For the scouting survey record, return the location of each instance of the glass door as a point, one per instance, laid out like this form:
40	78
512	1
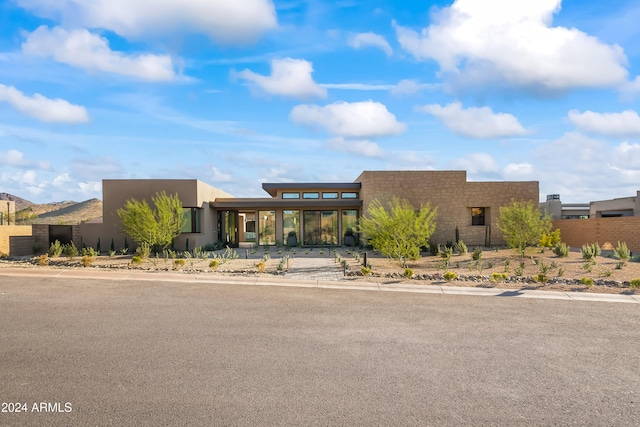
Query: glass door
228	228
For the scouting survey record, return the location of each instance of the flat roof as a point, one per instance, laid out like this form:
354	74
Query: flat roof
273	187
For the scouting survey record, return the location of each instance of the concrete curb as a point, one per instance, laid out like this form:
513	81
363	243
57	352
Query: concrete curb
260	280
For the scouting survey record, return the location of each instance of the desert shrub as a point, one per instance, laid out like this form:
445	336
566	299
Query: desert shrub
550	240
518	271
366	271
143	250
588	266
622	252
634	284
561	250
43	260
213	264
87	261
498	277
587	281
261	266
124	251
70	250
606	272
490	264
540	278
590	252
90	252
136	260
449	276
544	268
408	273
446	254
55	249
476	255
112	253
178	263
561	271
461	248
507	263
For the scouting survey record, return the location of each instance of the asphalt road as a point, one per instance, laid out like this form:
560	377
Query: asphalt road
145	353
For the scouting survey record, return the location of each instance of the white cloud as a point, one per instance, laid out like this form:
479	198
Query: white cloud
17	159
475	122
516	171
477	163
82	49
222	20
218	176
626	123
61	180
366	119
360	147
356	86
370	39
514	42
627	156
408	87
289	77
44	109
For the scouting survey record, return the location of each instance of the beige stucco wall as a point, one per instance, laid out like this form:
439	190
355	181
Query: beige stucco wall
9	231
630	205
192	193
452	195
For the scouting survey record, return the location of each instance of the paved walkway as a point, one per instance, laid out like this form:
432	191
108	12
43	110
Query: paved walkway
314	269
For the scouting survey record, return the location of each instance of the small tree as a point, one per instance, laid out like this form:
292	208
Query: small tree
523	225
400	231
154	227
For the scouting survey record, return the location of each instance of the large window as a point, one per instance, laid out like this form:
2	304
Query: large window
320	228
477	216
191	220
267	227
290	224
349	224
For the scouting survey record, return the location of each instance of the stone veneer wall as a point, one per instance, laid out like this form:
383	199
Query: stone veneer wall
577	232
9	231
453	196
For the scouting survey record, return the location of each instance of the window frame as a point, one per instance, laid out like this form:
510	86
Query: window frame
311	195
479	219
290	195
349	195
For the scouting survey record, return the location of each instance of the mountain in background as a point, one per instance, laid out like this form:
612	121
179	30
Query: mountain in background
66	212
20	202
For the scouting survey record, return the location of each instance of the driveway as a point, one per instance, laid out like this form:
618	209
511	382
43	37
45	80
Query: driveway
176	353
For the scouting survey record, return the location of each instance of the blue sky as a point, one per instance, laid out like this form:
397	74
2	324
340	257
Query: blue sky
236	93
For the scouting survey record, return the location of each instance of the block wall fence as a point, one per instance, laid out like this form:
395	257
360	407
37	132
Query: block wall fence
577	232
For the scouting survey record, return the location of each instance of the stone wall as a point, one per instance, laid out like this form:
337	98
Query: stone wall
453	196
577	232
9	231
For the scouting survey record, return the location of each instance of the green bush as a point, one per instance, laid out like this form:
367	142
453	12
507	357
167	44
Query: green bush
550	240
366	271
590	252
70	250
540	278
634	284
178	263
587	281
622	252
498	277
561	250
476	255
450	275
55	249
408	273
461	248
143	250
90	252
136	260
213	264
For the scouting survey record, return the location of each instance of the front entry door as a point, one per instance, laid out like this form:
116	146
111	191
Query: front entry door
228	228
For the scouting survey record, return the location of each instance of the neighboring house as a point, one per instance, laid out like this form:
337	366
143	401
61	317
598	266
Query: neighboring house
315	213
612	208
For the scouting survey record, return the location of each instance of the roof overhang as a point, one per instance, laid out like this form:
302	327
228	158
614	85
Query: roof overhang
273	187
268	203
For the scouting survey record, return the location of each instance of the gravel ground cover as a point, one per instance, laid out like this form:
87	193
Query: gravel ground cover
498	267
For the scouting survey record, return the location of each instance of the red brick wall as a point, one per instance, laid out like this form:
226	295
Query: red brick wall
577	232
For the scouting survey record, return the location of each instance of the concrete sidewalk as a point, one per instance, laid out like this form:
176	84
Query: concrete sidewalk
269	280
